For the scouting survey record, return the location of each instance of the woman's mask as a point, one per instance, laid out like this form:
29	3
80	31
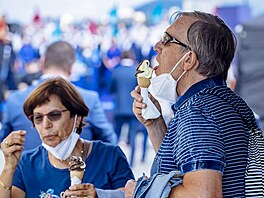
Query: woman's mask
63	150
164	86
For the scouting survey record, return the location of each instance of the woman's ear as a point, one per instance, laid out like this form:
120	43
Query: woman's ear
78	121
190	61
79	124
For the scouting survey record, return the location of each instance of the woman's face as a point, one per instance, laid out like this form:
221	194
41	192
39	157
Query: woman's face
53	132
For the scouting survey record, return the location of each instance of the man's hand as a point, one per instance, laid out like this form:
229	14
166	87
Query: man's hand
156	127
130	187
138	105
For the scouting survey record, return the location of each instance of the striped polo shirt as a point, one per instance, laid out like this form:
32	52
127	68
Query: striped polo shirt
209	131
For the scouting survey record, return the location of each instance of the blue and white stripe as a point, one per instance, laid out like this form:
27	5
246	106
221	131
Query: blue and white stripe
208	132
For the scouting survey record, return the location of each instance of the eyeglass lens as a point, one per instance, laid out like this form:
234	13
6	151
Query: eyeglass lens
52	116
166	38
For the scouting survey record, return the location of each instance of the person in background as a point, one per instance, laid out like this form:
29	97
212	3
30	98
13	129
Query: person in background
110	60
56	109
207	138
122	83
7	61
30	59
58	60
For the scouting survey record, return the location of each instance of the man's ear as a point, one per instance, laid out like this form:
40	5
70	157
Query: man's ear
190	61
42	63
69	72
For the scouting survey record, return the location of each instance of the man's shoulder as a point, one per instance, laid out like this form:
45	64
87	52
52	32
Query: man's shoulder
21	93
201	101
19	96
85	92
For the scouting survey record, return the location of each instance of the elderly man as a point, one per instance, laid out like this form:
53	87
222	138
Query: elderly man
58	60
207	137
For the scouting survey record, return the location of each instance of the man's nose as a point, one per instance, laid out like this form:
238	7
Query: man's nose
158	46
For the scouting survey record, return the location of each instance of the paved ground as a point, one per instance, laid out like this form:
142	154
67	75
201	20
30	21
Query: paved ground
138	166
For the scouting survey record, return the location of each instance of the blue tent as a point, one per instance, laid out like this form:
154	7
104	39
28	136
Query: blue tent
154	9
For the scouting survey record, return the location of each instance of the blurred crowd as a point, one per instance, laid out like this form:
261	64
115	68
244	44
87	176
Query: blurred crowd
98	48
102	49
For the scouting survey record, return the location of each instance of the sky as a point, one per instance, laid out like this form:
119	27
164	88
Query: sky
23	10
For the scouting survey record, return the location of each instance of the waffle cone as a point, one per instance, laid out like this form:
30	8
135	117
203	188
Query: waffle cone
76	173
143	82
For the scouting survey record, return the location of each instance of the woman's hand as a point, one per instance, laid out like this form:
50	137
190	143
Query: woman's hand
12	147
81	190
138	105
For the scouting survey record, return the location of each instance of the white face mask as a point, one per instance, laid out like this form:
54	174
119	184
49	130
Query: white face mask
164	86
63	150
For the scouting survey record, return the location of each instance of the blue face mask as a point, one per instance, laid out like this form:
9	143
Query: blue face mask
164	85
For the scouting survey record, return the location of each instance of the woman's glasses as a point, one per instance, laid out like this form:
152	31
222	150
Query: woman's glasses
54	115
168	38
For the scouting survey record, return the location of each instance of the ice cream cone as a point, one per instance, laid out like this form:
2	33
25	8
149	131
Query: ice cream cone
143	74
77	168
143	82
76	173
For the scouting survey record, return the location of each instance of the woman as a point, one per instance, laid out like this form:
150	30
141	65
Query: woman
56	109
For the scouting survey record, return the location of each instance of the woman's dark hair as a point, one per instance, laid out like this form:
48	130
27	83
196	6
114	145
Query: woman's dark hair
64	90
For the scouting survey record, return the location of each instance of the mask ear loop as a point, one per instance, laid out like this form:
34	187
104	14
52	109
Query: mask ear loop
74	125
179	63
181	75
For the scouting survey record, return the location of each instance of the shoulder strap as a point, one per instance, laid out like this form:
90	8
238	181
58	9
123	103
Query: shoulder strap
87	148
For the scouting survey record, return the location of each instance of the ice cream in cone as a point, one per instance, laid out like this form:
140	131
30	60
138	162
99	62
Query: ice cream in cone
143	74
77	168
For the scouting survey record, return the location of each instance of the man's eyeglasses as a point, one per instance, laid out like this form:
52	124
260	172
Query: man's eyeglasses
168	38
54	115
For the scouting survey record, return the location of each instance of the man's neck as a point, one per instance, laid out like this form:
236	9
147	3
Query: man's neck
50	72
187	81
46	76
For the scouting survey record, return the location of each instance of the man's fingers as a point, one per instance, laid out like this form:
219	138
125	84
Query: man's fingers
137	89
130	182
136	94
129	188
139	105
